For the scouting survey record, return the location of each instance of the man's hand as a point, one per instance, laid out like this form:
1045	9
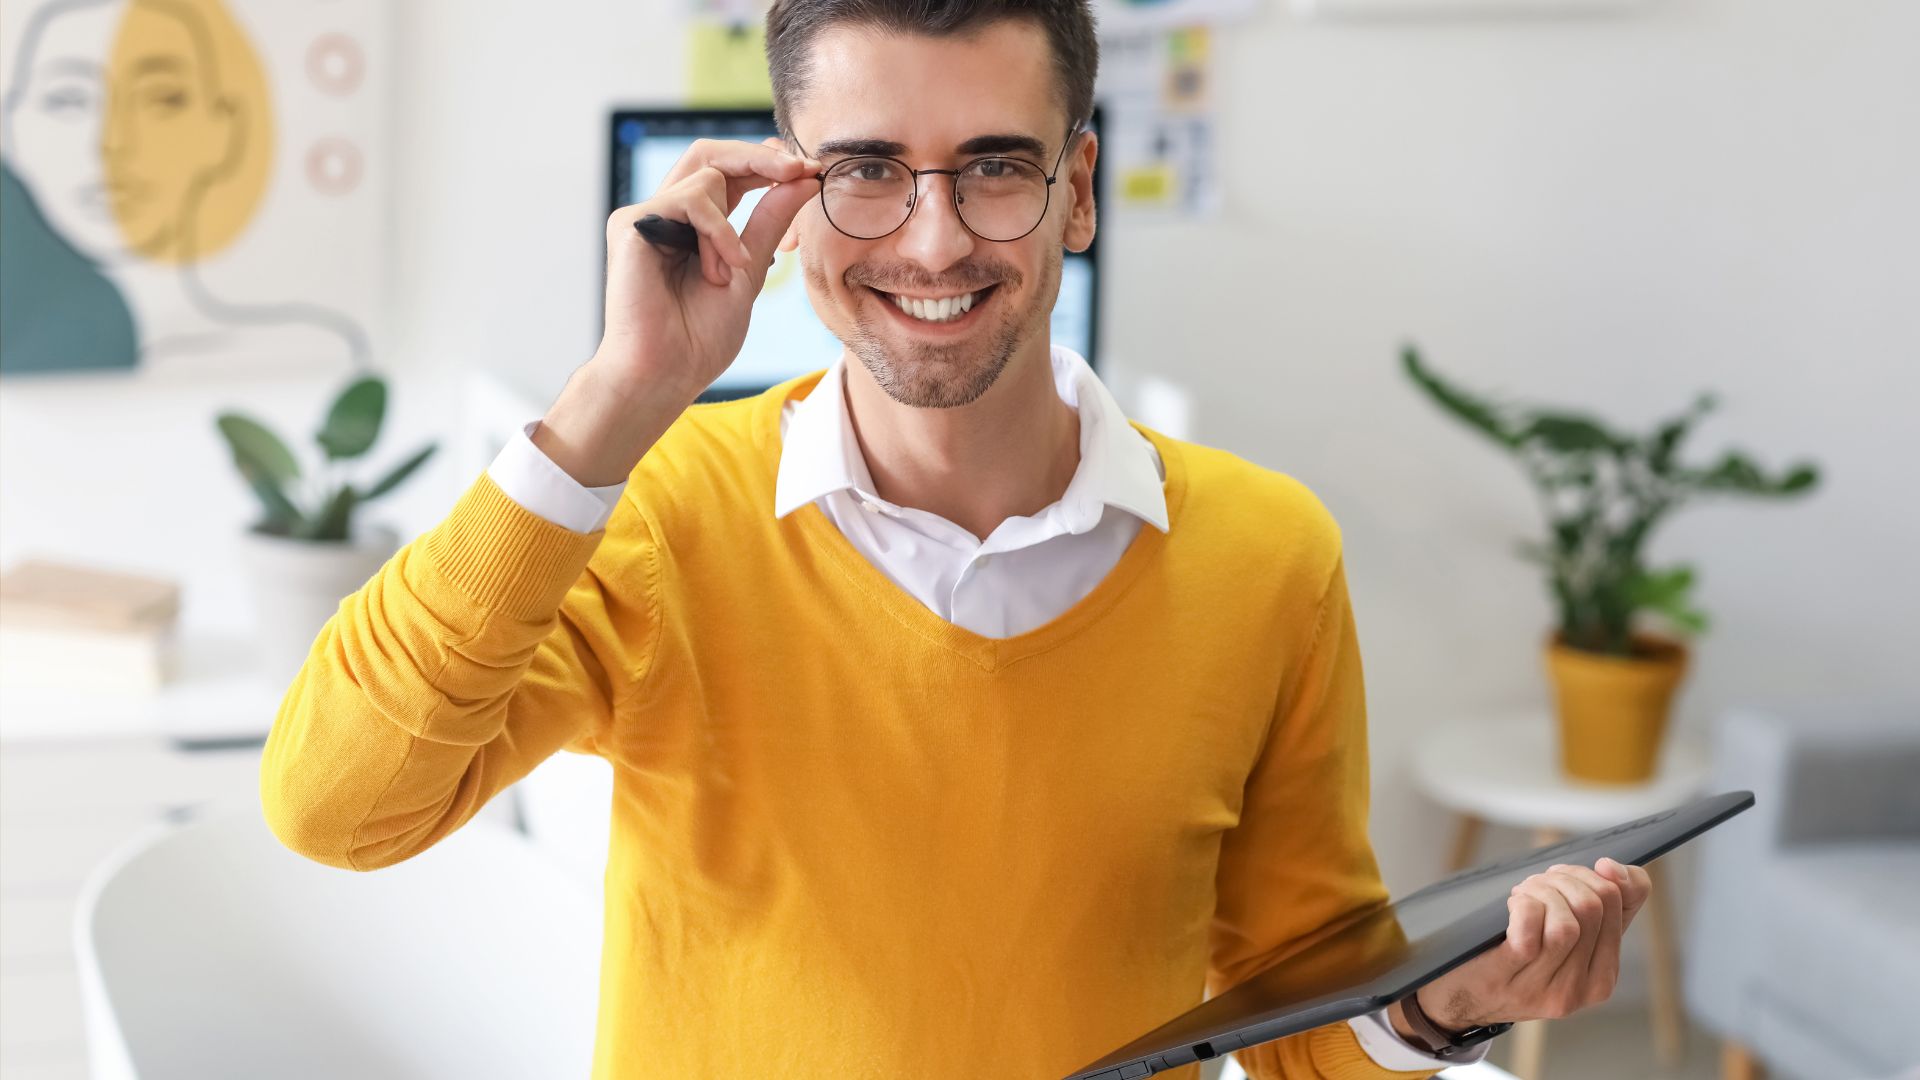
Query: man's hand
1561	954
674	320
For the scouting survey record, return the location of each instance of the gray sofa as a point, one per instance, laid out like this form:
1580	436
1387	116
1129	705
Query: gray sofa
1803	946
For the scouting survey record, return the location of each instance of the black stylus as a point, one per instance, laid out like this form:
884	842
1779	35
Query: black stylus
667	233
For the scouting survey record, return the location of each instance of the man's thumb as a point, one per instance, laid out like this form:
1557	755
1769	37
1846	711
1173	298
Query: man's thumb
771	216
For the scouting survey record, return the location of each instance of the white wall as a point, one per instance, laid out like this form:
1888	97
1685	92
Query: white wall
1610	212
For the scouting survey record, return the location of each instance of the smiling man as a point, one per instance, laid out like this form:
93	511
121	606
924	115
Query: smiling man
958	724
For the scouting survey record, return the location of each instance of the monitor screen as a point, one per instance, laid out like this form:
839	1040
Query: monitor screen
785	338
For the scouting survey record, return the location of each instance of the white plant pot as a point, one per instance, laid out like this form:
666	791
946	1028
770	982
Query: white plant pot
297	585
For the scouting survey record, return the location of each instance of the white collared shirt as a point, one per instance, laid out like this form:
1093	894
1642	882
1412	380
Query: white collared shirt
1028	571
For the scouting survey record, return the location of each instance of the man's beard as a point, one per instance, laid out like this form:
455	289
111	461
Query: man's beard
936	375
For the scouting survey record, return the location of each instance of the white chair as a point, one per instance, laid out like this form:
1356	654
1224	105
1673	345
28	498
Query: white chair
209	950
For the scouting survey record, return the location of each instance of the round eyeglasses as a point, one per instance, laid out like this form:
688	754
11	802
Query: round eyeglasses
997	198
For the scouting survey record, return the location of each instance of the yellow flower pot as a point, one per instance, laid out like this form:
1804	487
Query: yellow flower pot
1613	709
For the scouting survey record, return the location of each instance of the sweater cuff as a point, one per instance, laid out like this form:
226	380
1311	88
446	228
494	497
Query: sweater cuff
506	558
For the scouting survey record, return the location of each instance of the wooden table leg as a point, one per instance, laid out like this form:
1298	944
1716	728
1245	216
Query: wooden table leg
1664	980
1529	1049
1466	840
1738	1063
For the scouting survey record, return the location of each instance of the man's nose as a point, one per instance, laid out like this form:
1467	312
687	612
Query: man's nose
934	235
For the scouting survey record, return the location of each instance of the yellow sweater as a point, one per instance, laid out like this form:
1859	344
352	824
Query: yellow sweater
850	839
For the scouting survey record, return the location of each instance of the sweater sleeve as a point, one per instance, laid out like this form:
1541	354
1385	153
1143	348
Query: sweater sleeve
1299	860
478	650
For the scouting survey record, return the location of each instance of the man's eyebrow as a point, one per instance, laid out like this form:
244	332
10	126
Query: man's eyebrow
860	148
979	144
1004	144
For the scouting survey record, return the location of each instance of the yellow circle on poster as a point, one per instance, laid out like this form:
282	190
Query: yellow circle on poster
188	136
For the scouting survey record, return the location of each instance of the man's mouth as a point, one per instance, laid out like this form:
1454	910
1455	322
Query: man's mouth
944	308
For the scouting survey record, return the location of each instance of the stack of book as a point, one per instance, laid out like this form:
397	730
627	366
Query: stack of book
86	628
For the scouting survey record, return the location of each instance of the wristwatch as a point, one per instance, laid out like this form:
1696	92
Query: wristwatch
1439	1043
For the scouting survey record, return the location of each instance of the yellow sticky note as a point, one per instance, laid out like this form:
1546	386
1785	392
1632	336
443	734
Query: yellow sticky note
727	65
1149	185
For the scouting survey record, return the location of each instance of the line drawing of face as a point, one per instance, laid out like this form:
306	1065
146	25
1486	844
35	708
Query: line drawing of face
118	122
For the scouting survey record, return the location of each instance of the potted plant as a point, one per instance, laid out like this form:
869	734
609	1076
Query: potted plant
1602	492
307	551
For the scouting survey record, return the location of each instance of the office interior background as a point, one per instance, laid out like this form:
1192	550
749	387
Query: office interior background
1606	207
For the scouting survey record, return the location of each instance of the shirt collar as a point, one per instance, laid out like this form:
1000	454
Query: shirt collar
1119	467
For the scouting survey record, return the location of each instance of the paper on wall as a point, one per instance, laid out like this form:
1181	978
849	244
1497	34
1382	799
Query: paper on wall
1133	16
727	65
1158	144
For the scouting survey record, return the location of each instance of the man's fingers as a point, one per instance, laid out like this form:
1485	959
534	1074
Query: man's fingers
1606	957
737	159
1559	934
1570	978
720	250
1635	886
1526	916
771	216
1596	979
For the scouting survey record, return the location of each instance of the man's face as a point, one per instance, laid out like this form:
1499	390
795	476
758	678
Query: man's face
930	96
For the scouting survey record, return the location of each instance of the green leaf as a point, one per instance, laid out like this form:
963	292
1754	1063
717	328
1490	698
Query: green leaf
1477	414
283	518
1803	478
1570	434
1738	474
1688	619
1733	473
392	480
257	451
354	421
332	521
1666	440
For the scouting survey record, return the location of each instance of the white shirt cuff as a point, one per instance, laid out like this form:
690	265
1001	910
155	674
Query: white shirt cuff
1388	1050
530	478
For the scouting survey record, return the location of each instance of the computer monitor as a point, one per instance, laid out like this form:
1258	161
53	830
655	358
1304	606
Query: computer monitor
785	338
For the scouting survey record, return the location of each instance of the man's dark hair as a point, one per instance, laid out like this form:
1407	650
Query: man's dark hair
792	26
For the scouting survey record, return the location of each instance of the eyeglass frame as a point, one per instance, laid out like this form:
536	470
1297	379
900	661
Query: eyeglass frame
1074	129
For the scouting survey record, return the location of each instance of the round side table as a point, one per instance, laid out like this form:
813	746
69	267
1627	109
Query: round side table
1506	770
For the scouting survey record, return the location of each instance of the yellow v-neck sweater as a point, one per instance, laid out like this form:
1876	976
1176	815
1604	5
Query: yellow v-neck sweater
850	839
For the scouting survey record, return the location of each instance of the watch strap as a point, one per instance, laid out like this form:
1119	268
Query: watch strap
1445	1044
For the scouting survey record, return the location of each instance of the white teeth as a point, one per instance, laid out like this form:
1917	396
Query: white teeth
945	309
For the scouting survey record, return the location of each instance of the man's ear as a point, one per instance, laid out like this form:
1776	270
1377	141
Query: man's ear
1080	217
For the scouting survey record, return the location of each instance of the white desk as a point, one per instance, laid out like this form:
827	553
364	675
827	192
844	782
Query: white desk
1506	769
217	696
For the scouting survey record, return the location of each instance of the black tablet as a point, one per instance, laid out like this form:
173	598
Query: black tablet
1383	956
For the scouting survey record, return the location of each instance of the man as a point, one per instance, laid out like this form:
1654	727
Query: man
890	799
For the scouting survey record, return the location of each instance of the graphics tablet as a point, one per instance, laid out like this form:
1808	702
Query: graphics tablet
1385	955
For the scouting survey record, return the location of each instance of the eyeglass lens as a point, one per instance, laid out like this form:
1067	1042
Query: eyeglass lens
998	198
